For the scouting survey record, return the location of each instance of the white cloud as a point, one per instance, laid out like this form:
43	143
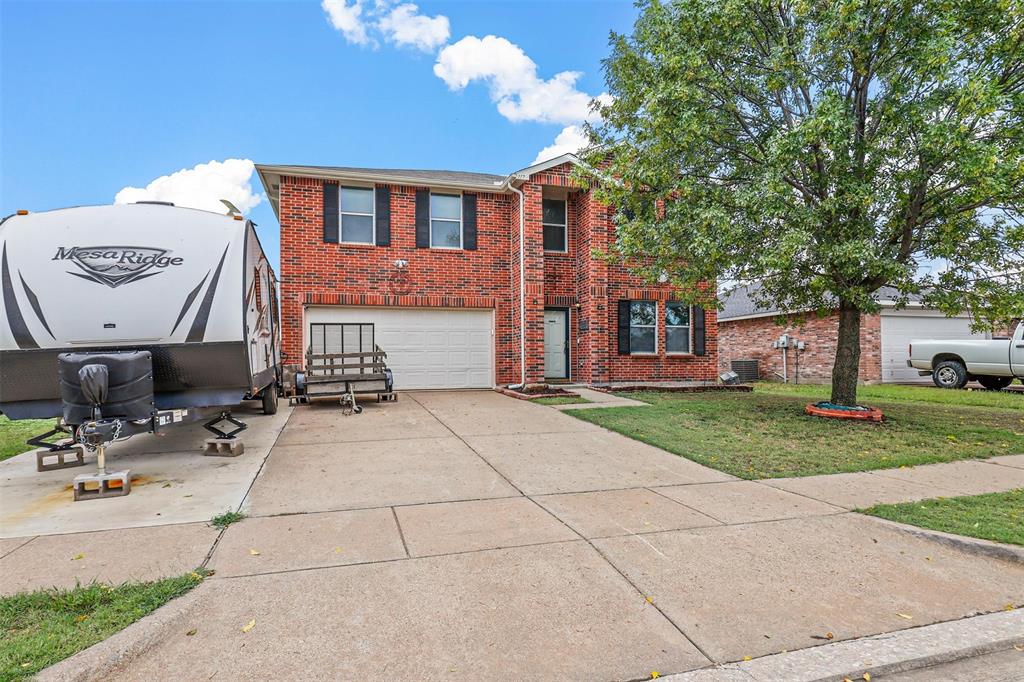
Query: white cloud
405	26
347	19
569	141
515	87
512	78
202	186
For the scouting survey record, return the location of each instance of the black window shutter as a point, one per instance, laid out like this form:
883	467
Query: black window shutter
331	212
698	331
623	327
383	198
469	222
423	219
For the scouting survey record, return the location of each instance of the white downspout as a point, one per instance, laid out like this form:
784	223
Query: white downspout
522	285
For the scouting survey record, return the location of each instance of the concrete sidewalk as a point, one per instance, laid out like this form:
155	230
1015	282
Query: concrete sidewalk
887	486
472	535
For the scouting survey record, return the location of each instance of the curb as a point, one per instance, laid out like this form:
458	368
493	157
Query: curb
878	655
101	659
985	548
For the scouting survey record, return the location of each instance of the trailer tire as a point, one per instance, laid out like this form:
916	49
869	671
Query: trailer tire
995	383
950	374
270	399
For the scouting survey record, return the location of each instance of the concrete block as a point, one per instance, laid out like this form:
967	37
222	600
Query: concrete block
98	486
62	459
223	447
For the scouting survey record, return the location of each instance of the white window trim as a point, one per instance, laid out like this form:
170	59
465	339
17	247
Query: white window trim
688	327
430	218
564	226
373	216
644	326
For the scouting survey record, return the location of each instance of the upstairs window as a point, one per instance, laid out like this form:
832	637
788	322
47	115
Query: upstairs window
677	328
555	225
357	215
643	327
445	221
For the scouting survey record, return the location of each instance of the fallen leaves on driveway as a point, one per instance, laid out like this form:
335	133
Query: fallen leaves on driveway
249	626
254	552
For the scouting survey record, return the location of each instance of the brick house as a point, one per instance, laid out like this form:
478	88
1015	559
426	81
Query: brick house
475	280
747	330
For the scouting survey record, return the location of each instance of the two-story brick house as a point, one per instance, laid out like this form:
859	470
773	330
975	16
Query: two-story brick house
475	280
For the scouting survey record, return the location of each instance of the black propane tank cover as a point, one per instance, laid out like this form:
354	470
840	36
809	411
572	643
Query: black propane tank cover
129	393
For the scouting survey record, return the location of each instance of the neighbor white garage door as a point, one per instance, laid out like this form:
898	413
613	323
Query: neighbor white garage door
426	347
900	328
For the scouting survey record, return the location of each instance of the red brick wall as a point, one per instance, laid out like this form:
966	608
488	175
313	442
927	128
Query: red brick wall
594	287
313	272
752	338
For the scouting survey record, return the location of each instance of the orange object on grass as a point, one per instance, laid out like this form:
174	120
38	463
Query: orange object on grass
870	414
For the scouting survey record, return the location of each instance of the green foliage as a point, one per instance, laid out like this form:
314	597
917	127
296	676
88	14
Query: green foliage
224	520
996	516
824	149
762	435
42	628
13	434
1010	400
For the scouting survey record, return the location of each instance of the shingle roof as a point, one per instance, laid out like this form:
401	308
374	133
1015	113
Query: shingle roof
739	302
425	175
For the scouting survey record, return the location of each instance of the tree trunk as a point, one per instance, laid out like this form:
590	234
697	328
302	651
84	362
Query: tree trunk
846	369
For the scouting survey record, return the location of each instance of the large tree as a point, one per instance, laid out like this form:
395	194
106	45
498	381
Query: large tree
823	149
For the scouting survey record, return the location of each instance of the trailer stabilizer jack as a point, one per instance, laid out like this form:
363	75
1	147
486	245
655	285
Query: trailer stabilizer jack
40	441
214	426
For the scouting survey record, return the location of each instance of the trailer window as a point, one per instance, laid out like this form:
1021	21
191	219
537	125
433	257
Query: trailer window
357	216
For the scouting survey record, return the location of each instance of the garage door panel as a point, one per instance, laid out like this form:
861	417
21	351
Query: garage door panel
899	330
427	348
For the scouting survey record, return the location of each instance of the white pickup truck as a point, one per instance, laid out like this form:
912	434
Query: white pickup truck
993	363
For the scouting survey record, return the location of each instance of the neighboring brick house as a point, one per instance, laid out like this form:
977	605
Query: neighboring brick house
747	331
433	259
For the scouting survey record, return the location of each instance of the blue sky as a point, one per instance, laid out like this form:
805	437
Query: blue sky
98	96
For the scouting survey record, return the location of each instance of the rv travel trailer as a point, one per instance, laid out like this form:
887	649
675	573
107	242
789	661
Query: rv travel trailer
131	318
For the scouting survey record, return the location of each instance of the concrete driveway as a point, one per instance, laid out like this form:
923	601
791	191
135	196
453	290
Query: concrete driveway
471	535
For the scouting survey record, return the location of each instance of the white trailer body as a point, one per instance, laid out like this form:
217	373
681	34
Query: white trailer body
192	287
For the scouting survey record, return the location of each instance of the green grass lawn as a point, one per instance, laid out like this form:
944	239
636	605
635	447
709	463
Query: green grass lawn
42	628
766	434
561	400
14	434
868	395
995	516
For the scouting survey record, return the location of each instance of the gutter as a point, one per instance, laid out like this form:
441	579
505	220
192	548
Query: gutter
522	286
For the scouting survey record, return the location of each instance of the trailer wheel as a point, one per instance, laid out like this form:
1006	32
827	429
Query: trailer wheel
995	383
950	374
270	399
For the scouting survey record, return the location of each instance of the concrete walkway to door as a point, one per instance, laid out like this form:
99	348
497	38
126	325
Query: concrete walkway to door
468	535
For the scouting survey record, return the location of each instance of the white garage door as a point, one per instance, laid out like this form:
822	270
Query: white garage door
426	347
899	329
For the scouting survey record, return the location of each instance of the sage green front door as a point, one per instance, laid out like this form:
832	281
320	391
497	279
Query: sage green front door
556	344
